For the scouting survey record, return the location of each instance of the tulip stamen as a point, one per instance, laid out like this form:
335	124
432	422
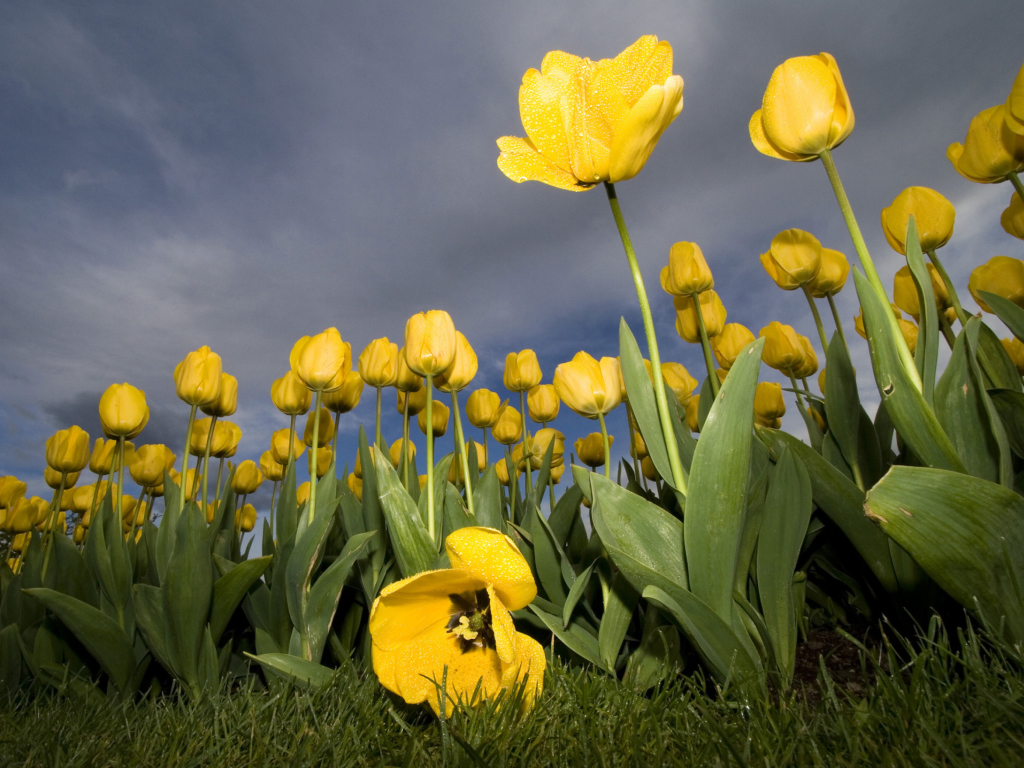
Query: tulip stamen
470	623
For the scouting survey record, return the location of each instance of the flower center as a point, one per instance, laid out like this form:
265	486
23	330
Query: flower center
470	623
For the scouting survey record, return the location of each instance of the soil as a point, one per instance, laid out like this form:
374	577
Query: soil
843	661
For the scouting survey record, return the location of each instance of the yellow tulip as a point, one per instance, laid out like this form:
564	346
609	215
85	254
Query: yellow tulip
191	486
933	215
430	342
290	395
279	446
590	449
79	535
439	418
60	524
346	397
302	493
454	626
11	489
149	463
537	445
909	333
728	344
378	363
687	272
245	518
460	372
768	403
793	259
482	408
225	438
247	478
692	410
805	110
991	151
227	401
712	311
455	475
589	387
501	468
782	348
1000	275
831	276
197	378
21	517
417	401
355	485
809	366
679	380
272	470
123	411
101	460
858	320
86	499
542	402
509	427
522	371
321	361
396	452
20	543
1015	104
904	291
324	457
407	380
1015	350
1013	218
68	450
324	434
638	449
52	478
589	122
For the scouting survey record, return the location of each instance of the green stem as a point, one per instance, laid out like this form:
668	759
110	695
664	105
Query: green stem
51	524
652	343
184	461
869	267
632	445
273	498
526	453
430	456
291	441
817	318
838	321
312	459
950	289
379	441
607	446
135	514
463	452
1015	180
206	461
705	344
95	498
405	443
947	331
220	472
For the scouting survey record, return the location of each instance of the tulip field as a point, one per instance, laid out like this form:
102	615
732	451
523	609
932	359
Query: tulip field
470	607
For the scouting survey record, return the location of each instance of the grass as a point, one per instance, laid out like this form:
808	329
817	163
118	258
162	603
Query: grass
940	708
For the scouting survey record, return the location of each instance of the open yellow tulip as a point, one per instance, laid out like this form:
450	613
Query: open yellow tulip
589	122
991	151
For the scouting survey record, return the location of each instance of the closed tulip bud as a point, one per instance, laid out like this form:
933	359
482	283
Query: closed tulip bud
589	122
728	344
590	449
509	427
21	516
679	380
538	445
501	468
793	259
226	436
324	457
68	450
101	460
247	478
415	401
378	363
149	463
818	418
227	401
909	333
1015	350
290	395
197	378
123	411
821	381
325	432
128	505
79	535
1015	104
245	518
87	497
430	342
456	377
481	454
687	273
712	311
991	151
805	110
302	494
904	291
20	543
355	485
272	469
279	446
52	478
1000	275
589	387
858	320
60	524
482	407
11	489
832	273
67	500
809	366
768	403
1013	218
407	379
648	469
556	474
692	411
357	470
191	486
317	360
347	396
396	452
638	448
522	371
933	215
439	418
782	348
542	402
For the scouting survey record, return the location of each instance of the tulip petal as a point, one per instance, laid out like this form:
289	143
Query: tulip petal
503	628
765	147
842	115
645	63
544	109
530	660
520	161
637	134
409	607
488	555
588	156
798	105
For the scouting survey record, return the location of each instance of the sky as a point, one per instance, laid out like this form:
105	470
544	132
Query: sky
241	174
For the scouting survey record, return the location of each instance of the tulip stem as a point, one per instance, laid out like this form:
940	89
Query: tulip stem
405	443
51	524
184	461
869	267
705	345
522	408
950	289
947	331
838	321
652	344
206	461
463	453
430	456
607	446
220	472
632	445
378	439
311	512
273	498
817	318
291	440
1015	180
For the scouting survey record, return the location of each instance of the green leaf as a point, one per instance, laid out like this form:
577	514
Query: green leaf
287	515
1010	407
575	593
456	515
620	601
995	362
167	533
487	499
414	549
548	558
291	669
967	534
914	419
186	592
229	590
787	512
10	660
718	485
1007	311
99	633
373	514
656	659
325	593
575	637
149	613
926	356
846	417
305	558
440	483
